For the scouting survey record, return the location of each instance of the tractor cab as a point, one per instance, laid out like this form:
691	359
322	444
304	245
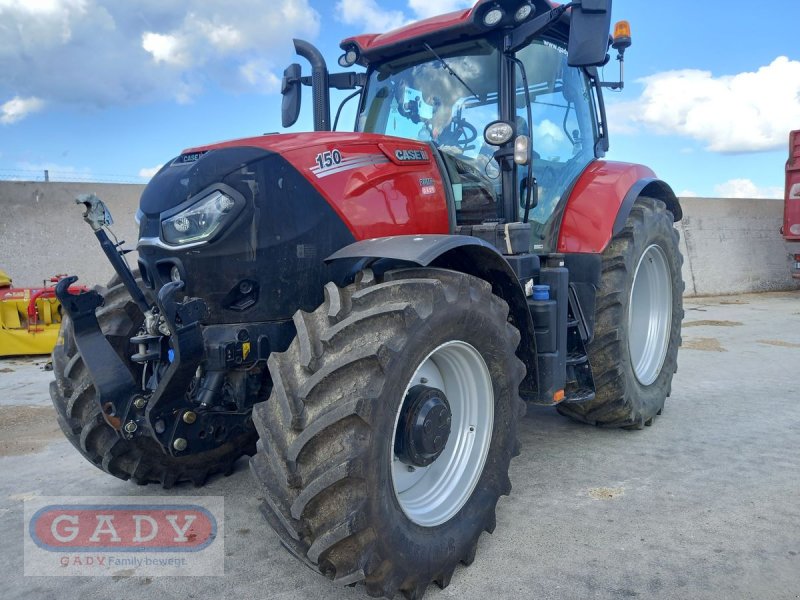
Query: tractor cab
452	98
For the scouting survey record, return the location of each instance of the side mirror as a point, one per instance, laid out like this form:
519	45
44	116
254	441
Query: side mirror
590	22
292	95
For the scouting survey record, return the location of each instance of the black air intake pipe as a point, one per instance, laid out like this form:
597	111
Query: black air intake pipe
319	84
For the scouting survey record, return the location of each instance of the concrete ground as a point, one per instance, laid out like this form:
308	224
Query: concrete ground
704	504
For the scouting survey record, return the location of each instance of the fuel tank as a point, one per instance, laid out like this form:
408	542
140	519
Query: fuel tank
290	201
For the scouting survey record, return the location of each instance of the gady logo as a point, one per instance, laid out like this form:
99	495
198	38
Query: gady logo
122	528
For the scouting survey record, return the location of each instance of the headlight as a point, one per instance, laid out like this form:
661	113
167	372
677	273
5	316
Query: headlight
200	221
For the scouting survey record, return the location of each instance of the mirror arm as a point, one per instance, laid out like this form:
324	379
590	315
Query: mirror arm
347	81
617	85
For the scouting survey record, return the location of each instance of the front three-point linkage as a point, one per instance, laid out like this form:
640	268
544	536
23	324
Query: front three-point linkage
170	342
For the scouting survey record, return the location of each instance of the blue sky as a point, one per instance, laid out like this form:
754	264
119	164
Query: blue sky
105	90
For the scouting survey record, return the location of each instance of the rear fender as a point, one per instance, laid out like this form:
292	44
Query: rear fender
465	254
601	201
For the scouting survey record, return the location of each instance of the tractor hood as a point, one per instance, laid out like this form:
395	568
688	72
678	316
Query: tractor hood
197	168
262	213
356	169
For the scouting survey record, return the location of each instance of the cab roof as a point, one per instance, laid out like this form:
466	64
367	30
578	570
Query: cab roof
449	27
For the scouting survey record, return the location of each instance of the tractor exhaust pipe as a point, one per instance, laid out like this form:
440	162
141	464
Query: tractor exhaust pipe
319	84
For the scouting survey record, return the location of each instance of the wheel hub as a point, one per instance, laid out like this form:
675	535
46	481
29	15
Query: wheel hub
424	426
457	375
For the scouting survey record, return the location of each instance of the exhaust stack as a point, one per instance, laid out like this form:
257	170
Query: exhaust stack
319	84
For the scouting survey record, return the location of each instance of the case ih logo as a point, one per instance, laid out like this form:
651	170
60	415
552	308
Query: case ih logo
123	529
411	155
134	535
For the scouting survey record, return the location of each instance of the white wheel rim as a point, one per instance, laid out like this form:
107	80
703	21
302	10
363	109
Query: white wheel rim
650	315
432	495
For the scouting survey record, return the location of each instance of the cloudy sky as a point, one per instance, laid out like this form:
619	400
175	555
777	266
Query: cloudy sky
109	90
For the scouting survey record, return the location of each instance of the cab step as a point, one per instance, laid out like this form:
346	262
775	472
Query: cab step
576	357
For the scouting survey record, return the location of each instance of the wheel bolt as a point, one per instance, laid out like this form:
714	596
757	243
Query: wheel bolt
180	444
189	417
139	402
131	426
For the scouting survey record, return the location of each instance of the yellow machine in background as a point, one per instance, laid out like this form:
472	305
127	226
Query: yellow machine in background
29	318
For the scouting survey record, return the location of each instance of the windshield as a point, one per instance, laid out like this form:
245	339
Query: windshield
448	102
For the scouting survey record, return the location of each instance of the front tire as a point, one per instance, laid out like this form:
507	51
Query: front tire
634	353
326	459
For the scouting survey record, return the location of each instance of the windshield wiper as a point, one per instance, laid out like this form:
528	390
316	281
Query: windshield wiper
450	70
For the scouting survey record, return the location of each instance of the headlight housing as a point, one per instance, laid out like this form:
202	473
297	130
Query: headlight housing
200	221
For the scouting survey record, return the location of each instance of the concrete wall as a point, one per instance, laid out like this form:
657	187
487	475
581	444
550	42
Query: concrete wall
733	246
42	232
729	246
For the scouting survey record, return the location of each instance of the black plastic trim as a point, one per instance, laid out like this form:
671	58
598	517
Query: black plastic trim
448	187
418	249
657	189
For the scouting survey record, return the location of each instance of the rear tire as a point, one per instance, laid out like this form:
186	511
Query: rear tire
641	285
82	422
326	450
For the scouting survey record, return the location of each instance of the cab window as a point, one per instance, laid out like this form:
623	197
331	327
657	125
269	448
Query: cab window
563	131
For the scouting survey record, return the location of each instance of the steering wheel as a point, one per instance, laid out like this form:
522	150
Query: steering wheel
459	133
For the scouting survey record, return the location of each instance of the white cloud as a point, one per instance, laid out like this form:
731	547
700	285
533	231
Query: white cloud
688	194
18	108
746	112
428	8
259	74
745	188
148	173
99	53
370	16
165	48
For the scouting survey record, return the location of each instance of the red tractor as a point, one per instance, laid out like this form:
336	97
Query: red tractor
367	314
791	206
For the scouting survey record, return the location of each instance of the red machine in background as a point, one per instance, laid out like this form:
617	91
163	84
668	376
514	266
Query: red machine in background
791	208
